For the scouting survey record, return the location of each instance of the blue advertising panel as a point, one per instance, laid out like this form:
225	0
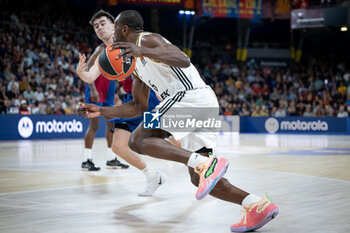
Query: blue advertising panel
15	127
294	125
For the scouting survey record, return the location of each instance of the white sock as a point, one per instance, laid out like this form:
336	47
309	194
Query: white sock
149	171
251	198
195	159
87	154
110	154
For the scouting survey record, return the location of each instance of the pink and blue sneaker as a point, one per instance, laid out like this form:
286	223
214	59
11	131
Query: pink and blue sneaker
257	215
210	172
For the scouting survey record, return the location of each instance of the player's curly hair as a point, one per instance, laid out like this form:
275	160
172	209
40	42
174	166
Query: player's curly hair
99	14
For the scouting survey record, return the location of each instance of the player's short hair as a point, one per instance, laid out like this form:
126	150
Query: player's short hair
131	18
100	14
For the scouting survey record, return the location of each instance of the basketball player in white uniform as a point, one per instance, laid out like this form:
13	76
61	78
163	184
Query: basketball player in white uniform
168	71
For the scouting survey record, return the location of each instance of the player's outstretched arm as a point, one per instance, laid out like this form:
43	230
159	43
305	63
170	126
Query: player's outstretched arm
155	47
94	95
87	76
135	108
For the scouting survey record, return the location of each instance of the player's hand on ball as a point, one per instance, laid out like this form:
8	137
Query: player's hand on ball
130	50
89	110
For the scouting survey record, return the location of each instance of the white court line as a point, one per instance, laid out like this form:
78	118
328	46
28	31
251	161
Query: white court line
137	180
104	172
68	187
296	174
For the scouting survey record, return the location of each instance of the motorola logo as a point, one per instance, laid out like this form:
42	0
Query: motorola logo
25	127
271	125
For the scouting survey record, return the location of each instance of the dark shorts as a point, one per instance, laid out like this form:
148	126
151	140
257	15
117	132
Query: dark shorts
130	124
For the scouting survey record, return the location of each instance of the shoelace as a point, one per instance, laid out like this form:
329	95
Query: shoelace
200	167
245	212
246	209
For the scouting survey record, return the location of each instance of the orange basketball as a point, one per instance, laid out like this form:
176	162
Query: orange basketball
113	68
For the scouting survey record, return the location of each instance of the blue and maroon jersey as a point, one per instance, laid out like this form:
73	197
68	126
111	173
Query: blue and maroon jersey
106	90
127	85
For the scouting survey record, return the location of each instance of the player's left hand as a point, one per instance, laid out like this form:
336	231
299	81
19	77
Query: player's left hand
82	64
89	110
130	50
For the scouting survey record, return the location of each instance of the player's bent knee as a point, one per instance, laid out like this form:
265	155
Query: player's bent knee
117	149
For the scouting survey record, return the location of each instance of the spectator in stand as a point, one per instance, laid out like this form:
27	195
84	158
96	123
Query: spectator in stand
264	111
308	112
319	112
3	97
50	94
11	108
13	82
18	100
39	108
39	95
256	111
24	109
58	110
280	112
292	111
342	89
348	109
244	112
69	78
273	111
23	84
12	93
342	112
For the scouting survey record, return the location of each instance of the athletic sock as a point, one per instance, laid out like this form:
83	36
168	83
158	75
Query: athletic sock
251	198
149	171
196	159
87	154
110	154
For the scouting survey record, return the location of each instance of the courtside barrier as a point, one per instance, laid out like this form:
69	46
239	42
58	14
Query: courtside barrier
295	125
17	127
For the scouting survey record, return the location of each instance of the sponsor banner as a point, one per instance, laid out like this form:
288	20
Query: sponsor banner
248	9
307	18
15	127
27	127
154	2
294	125
189	120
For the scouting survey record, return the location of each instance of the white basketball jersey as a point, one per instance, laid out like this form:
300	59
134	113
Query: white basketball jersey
163	79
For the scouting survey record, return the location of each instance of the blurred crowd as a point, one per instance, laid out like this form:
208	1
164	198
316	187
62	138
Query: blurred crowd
38	57
38	60
313	88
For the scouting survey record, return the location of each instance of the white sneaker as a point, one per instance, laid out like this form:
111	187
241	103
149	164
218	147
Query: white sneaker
153	184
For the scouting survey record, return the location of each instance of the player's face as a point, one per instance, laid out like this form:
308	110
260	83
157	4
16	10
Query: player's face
103	28
118	31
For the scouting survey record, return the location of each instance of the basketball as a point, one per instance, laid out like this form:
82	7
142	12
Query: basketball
113	68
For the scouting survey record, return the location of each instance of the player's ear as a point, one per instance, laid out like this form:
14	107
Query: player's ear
125	28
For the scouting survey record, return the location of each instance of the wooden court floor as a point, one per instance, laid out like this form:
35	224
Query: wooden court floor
42	188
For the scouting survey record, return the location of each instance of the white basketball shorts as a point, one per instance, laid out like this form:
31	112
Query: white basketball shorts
192	102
